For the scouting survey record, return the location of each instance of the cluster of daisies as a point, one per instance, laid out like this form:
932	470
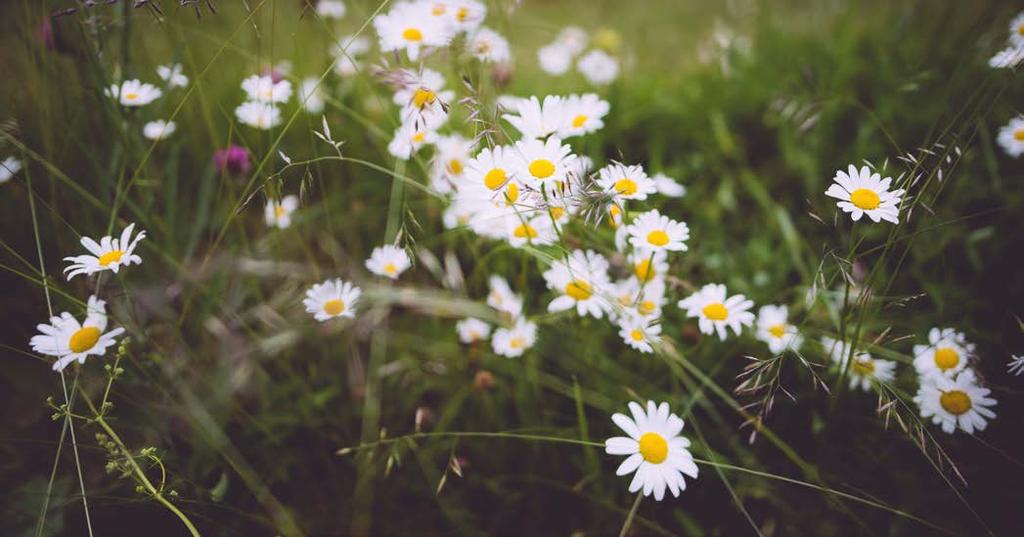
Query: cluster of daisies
596	65
135	94
1011	56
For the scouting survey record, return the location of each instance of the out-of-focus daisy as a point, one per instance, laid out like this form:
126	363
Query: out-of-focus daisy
837	351
410	26
512	342
489	46
8	168
955	402
582	114
265	89
389	261
654	450
279	213
598	67
648	266
158	130
502	298
420	87
346	53
668	186
625	182
1017	30
864	370
68	340
330	9
946	353
258	115
639	333
715	311
652	232
537	119
471	330
573	38
108	254
555	59
774	329
862	192
332	298
172	75
450	162
1007	58
133	93
542	162
580	281
460	15
311	95
536	231
1011	137
408	139
1016	365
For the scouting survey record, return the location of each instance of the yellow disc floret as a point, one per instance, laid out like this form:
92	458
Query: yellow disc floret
653	448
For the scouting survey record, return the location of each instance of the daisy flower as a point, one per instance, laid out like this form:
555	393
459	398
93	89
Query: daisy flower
945	354
266	89
258	115
389	261
582	114
410	26
512	342
311	95
489	46
8	168
555	59
955	402
1017	30
1011	137
668	186
68	340
471	330
408	139
837	351
172	75
715	311
638	333
580	281
864	370
642	298
863	192
652	232
542	162
774	329
332	298
492	167
625	182
654	449
134	93
537	119
1016	365
537	231
107	254
158	130
502	298
330	9
1009	57
598	67
279	213
460	15
449	164
573	38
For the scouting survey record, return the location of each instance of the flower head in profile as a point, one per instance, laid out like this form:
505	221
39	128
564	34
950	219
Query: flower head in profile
68	340
158	130
955	402
410	138
109	253
133	93
579	280
8	167
715	311
862	192
279	213
1011	137
945	354
502	298
653	232
311	95
513	342
774	329
582	114
472	330
865	370
598	67
259	115
332	298
668	186
265	89
172	75
654	450
412	27
233	160
389	261
536	231
1017	30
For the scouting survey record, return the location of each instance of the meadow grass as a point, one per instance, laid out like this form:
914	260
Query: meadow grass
228	411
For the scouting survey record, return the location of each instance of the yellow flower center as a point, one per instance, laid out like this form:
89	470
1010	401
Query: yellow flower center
646	307
84	338
1020	29
946	358
716	311
865	199
625	186
412	34
644	270
131	96
637	335
657	237
439	10
653	448
556	212
334	307
516	343
495	178
112	256
422	97
542	168
955	402
511	193
455	166
419	137
864	368
390	268
579	290
1018	135
525	231
777	330
279	211
578	121
462	14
